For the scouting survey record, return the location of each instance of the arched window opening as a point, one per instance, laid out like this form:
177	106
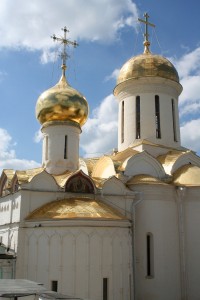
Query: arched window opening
157	117
137	120
174	120
65	148
149	256
122	123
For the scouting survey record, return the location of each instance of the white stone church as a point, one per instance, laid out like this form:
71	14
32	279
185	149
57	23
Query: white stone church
121	226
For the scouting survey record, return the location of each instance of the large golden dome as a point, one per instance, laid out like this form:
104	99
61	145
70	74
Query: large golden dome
62	103
147	65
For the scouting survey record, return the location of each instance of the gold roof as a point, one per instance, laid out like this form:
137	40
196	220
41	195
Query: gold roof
188	175
144	179
147	65
168	160
26	176
62	103
75	208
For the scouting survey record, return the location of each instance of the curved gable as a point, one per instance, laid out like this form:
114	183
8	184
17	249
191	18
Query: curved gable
5	181
104	168
143	163
43	181
186	158
114	186
80	183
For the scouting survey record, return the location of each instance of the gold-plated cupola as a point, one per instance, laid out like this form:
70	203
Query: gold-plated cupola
147	64
62	102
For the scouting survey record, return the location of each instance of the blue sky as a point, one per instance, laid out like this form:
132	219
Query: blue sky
108	34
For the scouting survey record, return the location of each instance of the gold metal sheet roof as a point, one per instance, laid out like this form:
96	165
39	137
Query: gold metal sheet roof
61	179
168	160
26	175
90	163
62	103
188	175
75	208
147	65
123	155
144	179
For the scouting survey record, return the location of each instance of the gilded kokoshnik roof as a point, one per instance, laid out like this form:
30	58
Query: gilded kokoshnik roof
75	208
147	65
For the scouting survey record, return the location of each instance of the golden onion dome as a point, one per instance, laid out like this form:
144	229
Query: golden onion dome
147	65
62	103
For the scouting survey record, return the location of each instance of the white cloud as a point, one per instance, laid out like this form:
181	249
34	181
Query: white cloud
8	159
190	135
29	24
100	132
113	75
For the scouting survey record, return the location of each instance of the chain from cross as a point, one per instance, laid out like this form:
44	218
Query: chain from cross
146	34
65	43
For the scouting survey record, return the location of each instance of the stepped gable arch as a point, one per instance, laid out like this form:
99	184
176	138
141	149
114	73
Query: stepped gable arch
80	183
143	163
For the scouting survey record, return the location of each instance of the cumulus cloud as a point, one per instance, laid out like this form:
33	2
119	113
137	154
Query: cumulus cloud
190	134
100	132
188	67
8	159
28	24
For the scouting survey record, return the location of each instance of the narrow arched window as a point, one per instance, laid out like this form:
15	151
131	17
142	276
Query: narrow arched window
174	120
65	148
137	119
157	117
149	255
122	123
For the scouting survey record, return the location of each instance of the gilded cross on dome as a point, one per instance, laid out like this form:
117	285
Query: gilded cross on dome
146	34
65	43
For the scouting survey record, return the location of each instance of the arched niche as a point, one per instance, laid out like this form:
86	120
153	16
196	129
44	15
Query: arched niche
80	183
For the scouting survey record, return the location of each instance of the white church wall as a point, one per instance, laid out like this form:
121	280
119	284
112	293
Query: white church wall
156	214
79	258
191	202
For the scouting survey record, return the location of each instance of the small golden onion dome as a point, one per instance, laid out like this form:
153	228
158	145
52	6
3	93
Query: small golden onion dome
62	103
147	65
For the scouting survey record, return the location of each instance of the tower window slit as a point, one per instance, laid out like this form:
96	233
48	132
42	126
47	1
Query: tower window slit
65	148
105	288
149	254
157	117
47	147
174	120
137	117
122	123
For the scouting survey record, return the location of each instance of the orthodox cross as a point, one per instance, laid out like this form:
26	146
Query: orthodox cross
146	34
65	43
